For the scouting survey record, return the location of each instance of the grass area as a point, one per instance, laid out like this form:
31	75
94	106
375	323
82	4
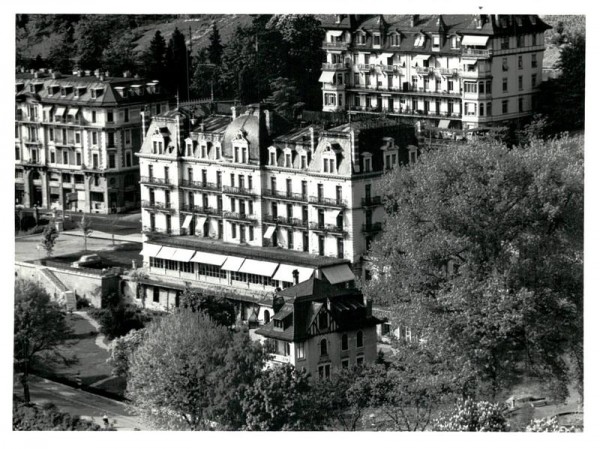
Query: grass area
120	255
86	360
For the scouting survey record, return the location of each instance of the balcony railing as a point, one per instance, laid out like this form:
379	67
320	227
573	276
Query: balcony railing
332	202
157	205
475	53
150	229
201	185
334	66
336	45
412	91
199	209
279	358
239	216
373	227
238	191
284	195
371	201
296	222
156	181
326	228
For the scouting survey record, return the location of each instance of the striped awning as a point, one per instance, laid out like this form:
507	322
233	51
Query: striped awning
475	41
183	255
187	221
285	273
209	258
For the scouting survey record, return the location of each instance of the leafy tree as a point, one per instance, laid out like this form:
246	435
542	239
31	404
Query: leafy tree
85	226
122	349
32	417
471	416
178	65
93	33
282	399
189	372
548	424
49	236
285	97
154	63
39	327
119	56
61	52
218	308
482	254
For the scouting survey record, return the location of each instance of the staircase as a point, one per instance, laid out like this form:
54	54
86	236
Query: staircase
62	294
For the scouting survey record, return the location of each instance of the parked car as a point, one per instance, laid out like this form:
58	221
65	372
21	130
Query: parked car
517	402
88	260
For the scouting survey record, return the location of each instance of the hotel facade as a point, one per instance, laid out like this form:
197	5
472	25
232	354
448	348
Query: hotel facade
76	137
449	71
246	205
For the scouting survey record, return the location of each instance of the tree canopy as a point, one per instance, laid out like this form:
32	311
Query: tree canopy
481	255
189	373
39	327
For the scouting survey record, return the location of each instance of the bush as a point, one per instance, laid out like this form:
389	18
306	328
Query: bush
82	303
47	417
118	320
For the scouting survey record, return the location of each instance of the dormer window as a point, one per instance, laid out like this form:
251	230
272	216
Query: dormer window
436	42
273	158
303	161
377	40
361	38
328	164
203	151
288	158
278	324
338	18
188	149
395	40
420	40
217	153
453	42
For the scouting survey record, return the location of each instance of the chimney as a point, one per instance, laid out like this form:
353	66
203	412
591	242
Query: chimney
369	308
479	22
414	19
36	74
296	276
278	303
269	121
233	112
88	72
55	75
107	74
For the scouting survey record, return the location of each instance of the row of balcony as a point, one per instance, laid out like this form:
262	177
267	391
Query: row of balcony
342	45
408	112
168	207
406	90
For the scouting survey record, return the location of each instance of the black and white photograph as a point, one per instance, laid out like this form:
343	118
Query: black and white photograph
307	222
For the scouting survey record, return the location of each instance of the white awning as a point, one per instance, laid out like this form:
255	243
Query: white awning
285	273
387	55
209	258
47	109
183	255
60	110
150	250
444	124
331	215
269	232
187	221
258	267
233	263
335	33
420	58
326	77
338	274
166	253
200	223
478	41
73	111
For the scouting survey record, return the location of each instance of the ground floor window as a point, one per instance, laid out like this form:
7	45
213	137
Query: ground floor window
324	371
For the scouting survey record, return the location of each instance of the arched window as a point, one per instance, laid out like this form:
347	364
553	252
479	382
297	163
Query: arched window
344	342
324	347
359	339
267	316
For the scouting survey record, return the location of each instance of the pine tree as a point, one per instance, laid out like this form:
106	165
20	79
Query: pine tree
215	49
177	62
154	57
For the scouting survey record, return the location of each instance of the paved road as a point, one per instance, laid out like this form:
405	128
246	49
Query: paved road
82	403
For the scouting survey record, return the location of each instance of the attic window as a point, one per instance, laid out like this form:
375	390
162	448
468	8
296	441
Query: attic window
395	40
278	324
454	42
436	42
376	40
361	38
367	163
420	40
273	158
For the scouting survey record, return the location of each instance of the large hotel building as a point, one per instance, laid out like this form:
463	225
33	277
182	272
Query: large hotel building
450	71
76	137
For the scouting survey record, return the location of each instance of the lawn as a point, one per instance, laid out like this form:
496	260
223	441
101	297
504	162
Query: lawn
85	359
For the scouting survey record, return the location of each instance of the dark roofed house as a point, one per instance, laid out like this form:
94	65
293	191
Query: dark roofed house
320	327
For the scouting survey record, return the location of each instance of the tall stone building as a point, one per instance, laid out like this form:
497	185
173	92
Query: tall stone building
76	137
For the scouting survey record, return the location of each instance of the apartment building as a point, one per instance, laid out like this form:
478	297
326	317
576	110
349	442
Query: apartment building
320	327
448	71
76	137
237	204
